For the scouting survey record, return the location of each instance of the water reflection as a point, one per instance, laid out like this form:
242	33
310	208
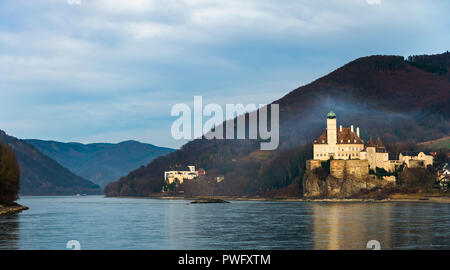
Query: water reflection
110	223
9	232
395	226
351	226
424	227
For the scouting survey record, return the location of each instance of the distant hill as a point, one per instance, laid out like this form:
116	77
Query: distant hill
101	163
41	175
387	96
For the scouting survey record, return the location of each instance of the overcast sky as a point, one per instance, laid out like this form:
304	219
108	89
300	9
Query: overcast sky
111	70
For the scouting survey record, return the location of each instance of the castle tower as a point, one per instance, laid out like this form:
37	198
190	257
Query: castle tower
331	128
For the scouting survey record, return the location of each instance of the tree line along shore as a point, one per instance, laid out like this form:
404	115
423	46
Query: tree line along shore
9	182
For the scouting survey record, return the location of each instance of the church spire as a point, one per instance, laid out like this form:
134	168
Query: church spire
331	115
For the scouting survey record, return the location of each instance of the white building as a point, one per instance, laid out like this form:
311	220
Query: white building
412	159
345	143
181	175
342	143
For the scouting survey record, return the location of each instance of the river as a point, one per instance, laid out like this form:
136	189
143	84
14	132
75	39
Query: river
97	222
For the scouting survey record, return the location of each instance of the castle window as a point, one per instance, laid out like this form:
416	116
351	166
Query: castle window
349	141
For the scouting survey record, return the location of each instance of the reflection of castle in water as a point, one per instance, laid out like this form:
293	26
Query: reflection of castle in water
394	225
350	226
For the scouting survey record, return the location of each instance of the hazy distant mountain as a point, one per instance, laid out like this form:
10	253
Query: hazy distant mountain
399	100
41	175
101	163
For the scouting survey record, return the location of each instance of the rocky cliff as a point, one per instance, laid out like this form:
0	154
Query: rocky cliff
339	179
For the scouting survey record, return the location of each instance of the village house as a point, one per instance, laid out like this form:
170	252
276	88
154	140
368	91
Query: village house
415	159
182	174
345	143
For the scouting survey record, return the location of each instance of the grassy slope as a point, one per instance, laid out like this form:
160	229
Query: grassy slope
435	145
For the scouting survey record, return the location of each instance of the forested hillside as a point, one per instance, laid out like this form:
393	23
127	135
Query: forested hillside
401	101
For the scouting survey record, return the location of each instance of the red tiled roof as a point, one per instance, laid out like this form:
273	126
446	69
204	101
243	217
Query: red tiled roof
378	144
346	136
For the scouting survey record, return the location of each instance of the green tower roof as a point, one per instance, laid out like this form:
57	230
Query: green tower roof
331	115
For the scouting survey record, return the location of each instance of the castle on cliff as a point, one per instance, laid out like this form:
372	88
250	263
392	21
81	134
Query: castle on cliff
345	144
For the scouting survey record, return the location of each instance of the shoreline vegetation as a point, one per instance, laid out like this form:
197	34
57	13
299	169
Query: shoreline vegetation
13	208
9	181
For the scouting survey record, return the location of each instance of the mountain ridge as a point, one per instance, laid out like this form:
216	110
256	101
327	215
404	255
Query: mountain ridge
100	163
41	175
386	96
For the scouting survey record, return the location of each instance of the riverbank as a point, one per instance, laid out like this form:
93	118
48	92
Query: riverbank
11	209
414	197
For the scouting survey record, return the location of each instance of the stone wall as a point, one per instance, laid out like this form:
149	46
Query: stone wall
349	168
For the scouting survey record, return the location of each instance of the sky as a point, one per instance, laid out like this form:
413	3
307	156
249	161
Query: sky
111	70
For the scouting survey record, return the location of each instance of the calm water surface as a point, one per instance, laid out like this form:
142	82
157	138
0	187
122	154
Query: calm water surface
126	223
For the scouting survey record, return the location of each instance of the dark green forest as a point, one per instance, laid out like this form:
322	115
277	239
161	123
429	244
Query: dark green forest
431	63
9	175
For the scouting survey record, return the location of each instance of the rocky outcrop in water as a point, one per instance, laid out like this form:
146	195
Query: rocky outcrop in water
209	200
11	209
343	178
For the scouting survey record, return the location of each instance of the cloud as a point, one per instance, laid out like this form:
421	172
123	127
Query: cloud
114	67
74	2
374	2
